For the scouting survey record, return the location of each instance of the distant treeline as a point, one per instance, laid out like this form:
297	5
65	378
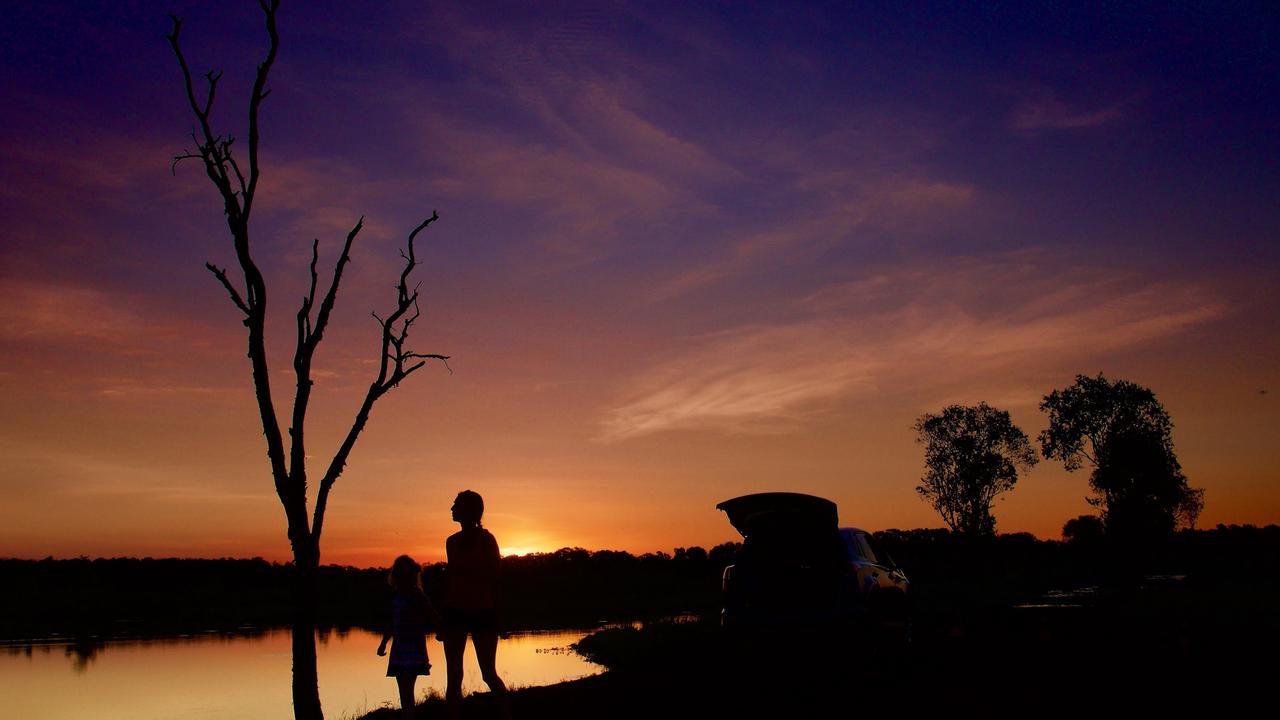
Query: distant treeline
573	586
128	596
952	573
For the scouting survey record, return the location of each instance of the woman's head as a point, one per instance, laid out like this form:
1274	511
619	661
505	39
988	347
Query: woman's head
405	575
468	508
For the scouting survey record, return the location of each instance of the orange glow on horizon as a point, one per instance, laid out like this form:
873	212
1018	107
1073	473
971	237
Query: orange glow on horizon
520	551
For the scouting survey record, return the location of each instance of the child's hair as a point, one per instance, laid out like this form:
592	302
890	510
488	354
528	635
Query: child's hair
405	575
470	505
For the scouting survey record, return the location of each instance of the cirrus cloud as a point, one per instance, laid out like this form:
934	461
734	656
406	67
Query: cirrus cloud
928	327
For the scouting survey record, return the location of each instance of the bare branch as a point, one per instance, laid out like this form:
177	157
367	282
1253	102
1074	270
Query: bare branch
301	351
226	283
185	155
226	154
330	297
444	359
311	294
214	151
392	368
339	462
429	356
401	373
260	92
302	355
410	260
207	147
182	63
212	77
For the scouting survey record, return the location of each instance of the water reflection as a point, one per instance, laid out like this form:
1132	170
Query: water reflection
244	674
82	652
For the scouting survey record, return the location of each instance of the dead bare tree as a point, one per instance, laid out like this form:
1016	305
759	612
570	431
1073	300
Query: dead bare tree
237	185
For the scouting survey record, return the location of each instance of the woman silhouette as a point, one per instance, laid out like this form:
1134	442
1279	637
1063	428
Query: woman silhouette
471	602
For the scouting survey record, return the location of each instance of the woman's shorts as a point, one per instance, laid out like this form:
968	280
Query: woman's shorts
470	621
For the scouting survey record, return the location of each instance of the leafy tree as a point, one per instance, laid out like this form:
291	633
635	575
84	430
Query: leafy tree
235	177
1189	508
972	454
1083	529
1123	431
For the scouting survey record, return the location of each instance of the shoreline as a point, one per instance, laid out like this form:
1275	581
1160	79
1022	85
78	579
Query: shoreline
161	634
1147	647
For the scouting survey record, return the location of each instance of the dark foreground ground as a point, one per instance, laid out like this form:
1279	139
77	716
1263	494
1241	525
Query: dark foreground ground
1170	648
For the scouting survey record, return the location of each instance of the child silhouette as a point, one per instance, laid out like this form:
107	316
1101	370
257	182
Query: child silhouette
411	616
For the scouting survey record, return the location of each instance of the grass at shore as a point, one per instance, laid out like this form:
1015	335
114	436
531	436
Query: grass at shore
1175	649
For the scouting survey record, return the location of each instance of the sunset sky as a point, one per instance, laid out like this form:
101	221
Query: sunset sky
686	251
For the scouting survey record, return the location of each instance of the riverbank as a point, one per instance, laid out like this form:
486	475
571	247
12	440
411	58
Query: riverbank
1175	647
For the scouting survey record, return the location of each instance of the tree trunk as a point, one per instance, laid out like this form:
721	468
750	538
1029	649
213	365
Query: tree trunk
397	361
306	687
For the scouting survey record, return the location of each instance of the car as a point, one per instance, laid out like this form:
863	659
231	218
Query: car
798	567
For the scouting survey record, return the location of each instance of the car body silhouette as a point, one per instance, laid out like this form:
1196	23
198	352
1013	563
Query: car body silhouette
798	567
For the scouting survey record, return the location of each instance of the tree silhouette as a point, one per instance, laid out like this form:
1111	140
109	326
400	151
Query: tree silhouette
1123	431
972	454
1083	529
236	181
1190	505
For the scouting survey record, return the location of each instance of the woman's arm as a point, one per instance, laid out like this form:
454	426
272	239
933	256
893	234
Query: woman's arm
495	588
430	613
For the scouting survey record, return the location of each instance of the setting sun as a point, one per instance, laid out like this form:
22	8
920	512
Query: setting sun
520	550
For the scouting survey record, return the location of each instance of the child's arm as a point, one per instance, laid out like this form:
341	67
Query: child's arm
386	634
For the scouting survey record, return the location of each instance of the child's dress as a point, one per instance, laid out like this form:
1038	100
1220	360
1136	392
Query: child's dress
409	618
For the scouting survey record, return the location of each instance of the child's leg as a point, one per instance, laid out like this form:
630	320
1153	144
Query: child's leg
405	683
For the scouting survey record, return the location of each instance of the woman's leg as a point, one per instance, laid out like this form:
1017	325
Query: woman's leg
405	683
486	654
454	644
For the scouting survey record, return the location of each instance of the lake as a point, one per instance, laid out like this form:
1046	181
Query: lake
246	675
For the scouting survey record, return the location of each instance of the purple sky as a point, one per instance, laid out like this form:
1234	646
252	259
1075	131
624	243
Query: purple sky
686	251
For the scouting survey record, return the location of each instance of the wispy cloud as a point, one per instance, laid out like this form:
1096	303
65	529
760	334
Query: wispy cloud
549	131
823	223
323	198
108	344
754	379
71	471
87	163
1047	112
48	312
134	390
573	203
910	329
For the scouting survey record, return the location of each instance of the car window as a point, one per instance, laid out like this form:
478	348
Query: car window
865	546
851	545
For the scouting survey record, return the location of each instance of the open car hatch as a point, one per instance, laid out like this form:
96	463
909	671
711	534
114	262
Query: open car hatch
766	512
